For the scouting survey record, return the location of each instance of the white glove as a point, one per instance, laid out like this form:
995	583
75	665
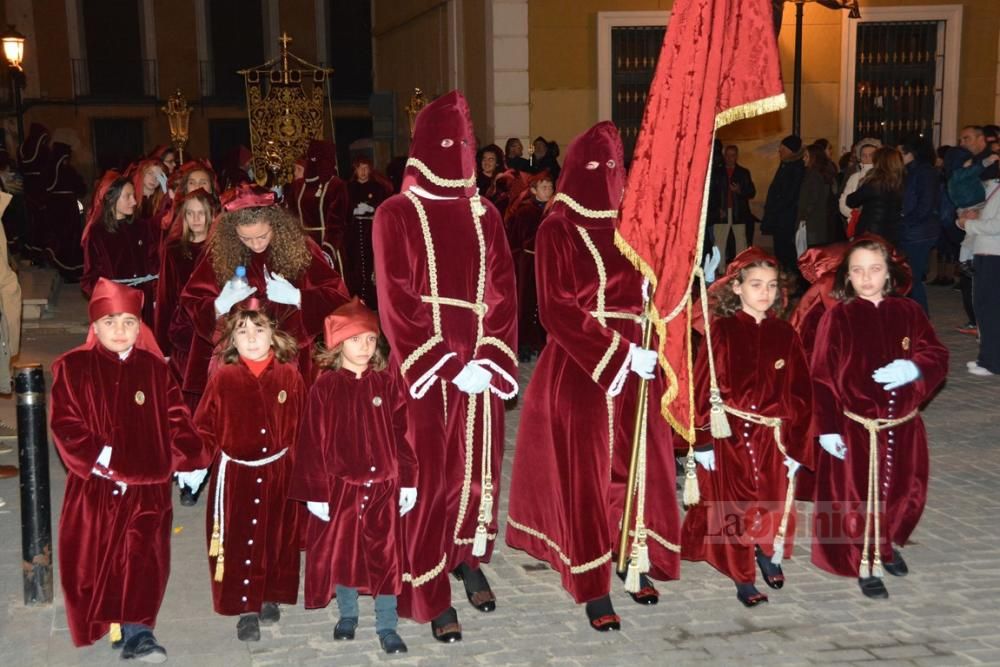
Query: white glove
230	296
162	180
363	209
473	379
705	459
320	510
834	445
642	362
193	479
279	290
792	465
711	264
104	458
407	499
896	373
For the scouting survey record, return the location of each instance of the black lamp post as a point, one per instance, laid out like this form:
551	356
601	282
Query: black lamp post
855	13
13	50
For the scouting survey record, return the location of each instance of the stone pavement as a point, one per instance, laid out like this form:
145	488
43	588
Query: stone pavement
944	613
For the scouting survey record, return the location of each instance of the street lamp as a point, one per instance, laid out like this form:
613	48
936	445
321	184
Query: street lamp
13	50
854	13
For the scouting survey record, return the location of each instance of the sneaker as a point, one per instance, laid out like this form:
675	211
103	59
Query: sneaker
969	329
7	432
976	369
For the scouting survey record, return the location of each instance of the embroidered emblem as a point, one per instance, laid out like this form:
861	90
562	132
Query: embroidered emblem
377	401
906	343
140	398
779	364
282	396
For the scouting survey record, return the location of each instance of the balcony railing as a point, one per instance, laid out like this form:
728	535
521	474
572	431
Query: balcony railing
116	80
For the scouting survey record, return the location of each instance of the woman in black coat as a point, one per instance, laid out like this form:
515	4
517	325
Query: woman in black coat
880	196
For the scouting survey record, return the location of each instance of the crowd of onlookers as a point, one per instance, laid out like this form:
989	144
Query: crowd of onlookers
937	207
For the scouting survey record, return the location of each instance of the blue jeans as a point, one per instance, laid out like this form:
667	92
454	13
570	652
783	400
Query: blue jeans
386	618
918	254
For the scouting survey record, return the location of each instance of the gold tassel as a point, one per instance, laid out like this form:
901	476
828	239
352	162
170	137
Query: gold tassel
213	547
643	557
718	420
479	542
632	579
691	494
877	570
220	568
779	550
115	632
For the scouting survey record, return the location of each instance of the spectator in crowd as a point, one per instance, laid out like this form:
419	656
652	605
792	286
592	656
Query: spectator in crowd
863	153
544	158
489	165
919	227
781	206
738	190
880	196
973	139
10	336
514	152
983	226
817	198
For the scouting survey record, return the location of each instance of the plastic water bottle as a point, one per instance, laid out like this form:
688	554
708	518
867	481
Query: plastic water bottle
239	279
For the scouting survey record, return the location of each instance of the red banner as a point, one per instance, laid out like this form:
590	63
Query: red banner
719	63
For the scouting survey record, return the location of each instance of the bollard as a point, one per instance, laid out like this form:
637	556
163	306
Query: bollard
36	506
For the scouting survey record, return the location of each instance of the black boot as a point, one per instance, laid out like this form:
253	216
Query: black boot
601	615
873	588
477	589
445	628
897	567
749	595
647	593
248	628
772	574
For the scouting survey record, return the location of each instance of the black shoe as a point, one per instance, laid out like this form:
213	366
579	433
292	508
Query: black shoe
269	613
188	497
392	642
248	628
601	615
647	593
897	567
749	595
477	589
346	625
873	587
772	574
445	628
143	647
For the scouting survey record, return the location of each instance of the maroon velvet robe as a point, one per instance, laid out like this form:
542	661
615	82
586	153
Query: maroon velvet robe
854	339
322	206
114	546
249	419
358	256
63	222
761	368
356	458
522	226
431	351
574	442
173	329
322	292
130	252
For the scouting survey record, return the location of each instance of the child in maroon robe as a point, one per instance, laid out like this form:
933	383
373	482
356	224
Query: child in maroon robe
875	361
759	370
122	430
249	417
353	463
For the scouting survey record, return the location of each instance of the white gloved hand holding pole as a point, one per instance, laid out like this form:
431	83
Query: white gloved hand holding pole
642	362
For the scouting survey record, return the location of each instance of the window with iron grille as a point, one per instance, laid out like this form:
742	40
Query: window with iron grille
634	52
898	80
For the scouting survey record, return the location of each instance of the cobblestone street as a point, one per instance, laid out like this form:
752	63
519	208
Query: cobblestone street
946	612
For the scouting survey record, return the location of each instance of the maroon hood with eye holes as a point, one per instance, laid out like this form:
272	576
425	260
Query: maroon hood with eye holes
445	146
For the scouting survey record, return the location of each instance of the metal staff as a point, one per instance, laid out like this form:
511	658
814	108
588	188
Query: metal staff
640	417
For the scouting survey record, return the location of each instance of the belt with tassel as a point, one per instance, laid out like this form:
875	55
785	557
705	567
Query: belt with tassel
871	559
485	514
774	423
217	546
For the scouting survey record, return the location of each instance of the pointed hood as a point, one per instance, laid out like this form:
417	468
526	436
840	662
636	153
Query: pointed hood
443	150
321	160
593	174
